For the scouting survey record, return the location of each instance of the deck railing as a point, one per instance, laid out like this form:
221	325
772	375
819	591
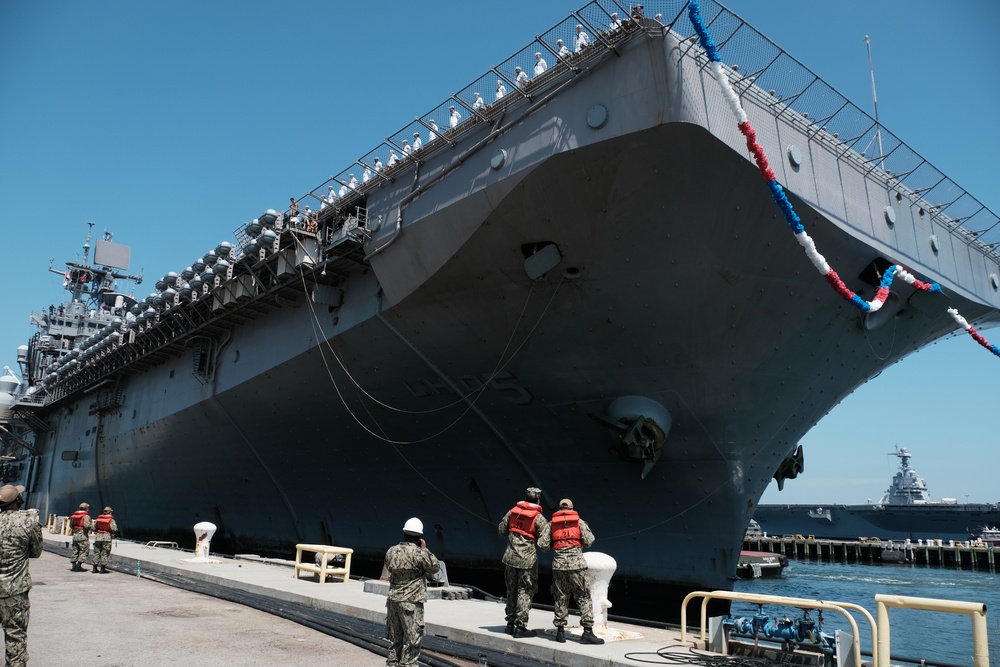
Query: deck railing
757	66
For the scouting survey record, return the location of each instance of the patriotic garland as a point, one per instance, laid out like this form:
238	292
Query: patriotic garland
778	195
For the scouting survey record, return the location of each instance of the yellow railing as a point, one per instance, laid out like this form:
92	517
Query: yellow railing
802	603
976	610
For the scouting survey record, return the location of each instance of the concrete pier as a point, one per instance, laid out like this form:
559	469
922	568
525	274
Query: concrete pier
126	618
947	554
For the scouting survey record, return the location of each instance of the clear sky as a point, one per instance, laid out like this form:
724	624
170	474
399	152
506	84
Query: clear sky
170	124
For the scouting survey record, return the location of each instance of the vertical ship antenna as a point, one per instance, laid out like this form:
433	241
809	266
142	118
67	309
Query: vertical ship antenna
878	126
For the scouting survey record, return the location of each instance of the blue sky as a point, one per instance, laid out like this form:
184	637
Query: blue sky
170	124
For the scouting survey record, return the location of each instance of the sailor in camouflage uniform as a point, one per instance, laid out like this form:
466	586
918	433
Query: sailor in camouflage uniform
569	571
409	563
104	529
80	522
20	539
527	531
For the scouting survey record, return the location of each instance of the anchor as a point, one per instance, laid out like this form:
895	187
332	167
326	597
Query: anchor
637	437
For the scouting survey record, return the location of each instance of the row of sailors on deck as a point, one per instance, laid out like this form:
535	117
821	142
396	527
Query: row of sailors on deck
580	41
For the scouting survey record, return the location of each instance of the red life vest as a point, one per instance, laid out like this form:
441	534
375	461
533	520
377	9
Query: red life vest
566	529
522	519
104	523
77	519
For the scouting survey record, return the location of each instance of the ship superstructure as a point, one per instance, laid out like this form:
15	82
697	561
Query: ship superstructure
581	286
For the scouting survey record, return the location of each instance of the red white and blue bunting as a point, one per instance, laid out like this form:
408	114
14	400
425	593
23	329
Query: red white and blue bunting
778	195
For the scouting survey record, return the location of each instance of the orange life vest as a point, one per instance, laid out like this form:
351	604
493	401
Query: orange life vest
566	529
522	519
104	523
77	519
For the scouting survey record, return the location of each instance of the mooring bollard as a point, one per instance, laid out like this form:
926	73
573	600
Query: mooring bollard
600	568
203	533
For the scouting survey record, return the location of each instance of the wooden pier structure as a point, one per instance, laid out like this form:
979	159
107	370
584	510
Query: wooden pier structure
871	551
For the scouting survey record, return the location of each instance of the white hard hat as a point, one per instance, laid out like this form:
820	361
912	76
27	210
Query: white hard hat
413	526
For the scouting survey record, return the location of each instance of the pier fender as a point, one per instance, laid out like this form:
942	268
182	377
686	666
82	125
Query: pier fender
639	426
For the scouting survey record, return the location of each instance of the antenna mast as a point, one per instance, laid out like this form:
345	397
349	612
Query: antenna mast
878	126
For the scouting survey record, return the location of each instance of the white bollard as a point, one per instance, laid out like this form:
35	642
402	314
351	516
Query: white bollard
600	568
203	533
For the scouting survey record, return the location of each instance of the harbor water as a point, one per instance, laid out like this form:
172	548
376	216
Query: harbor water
937	637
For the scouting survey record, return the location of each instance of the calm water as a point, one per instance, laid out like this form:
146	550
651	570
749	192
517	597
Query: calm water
931	635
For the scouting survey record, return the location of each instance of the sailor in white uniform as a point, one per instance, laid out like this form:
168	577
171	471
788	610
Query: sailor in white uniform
540	64
521	79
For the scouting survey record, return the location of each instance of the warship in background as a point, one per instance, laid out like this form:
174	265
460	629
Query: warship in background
905	511
537	297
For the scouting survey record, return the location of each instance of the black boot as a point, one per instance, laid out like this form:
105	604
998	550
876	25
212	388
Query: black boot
509	629
95	568
76	568
521	632
588	637
561	635
104	569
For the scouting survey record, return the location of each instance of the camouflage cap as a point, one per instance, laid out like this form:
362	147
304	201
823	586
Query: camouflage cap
9	493
533	492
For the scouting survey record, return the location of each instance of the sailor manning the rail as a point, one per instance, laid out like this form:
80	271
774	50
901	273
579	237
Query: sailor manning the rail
409	563
527	531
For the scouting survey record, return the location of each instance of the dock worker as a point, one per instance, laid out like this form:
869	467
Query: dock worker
527	531
22	539
570	535
409	563
80	523
104	529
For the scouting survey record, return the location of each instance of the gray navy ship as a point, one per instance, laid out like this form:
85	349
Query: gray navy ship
583	285
905	511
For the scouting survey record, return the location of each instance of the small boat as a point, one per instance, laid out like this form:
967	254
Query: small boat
990	536
757	564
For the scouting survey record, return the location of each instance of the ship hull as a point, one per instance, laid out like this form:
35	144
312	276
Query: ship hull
455	370
886	522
